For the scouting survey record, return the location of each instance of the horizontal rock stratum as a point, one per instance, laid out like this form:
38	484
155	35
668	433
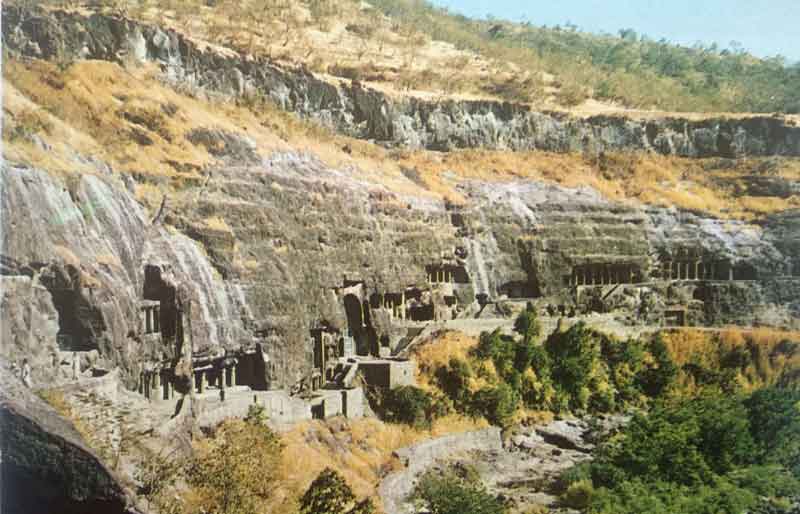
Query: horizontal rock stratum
364	113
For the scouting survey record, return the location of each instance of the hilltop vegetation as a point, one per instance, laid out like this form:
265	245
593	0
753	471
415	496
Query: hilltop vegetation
630	69
409	45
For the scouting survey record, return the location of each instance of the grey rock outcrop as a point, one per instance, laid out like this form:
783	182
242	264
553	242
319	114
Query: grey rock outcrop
524	467
395	488
46	466
368	114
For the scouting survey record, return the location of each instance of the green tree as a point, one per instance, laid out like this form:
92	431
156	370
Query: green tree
497	404
687	444
412	406
454	380
527	324
234	472
657	380
329	493
574	357
774	415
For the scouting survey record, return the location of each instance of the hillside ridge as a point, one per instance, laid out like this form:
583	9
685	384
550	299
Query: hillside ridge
364	113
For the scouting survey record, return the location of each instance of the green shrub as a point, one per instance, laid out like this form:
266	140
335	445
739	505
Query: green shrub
774	415
766	480
330	494
687	444
573	355
412	406
657	379
578	494
535	392
527	324
709	454
500	349
577	473
497	404
234	472
447	493
454	379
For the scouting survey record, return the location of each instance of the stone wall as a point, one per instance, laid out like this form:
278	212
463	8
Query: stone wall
417	458
280	408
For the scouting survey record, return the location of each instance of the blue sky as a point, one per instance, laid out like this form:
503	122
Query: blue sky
764	27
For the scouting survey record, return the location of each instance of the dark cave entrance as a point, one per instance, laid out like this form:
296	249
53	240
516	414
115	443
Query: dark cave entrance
518	289
422	312
79	322
169	318
358	319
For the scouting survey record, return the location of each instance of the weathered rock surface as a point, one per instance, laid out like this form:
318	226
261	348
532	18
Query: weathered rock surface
368	114
73	278
523	468
46	466
79	257
395	488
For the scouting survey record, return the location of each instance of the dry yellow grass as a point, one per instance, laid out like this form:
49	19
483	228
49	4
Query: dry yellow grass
361	450
130	120
438	352
127	118
708	347
698	184
453	344
341	40
217	223
338	40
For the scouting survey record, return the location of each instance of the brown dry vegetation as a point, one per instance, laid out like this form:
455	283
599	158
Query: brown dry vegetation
337	39
767	361
127	118
708	185
361	450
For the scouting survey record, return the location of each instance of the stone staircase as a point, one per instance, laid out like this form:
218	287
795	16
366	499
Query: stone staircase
111	424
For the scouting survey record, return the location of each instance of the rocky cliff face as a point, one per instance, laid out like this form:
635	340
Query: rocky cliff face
296	244
87	258
368	114
46	466
295	232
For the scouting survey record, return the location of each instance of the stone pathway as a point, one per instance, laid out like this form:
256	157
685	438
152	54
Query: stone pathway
523	467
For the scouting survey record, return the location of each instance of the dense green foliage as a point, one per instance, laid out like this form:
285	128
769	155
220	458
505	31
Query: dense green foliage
454	492
497	404
628	68
713	453
774	416
578	370
409	405
330	494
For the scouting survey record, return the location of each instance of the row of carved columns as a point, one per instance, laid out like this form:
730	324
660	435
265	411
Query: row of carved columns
602	275
441	276
397	309
210	376
156	385
151	319
691	270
